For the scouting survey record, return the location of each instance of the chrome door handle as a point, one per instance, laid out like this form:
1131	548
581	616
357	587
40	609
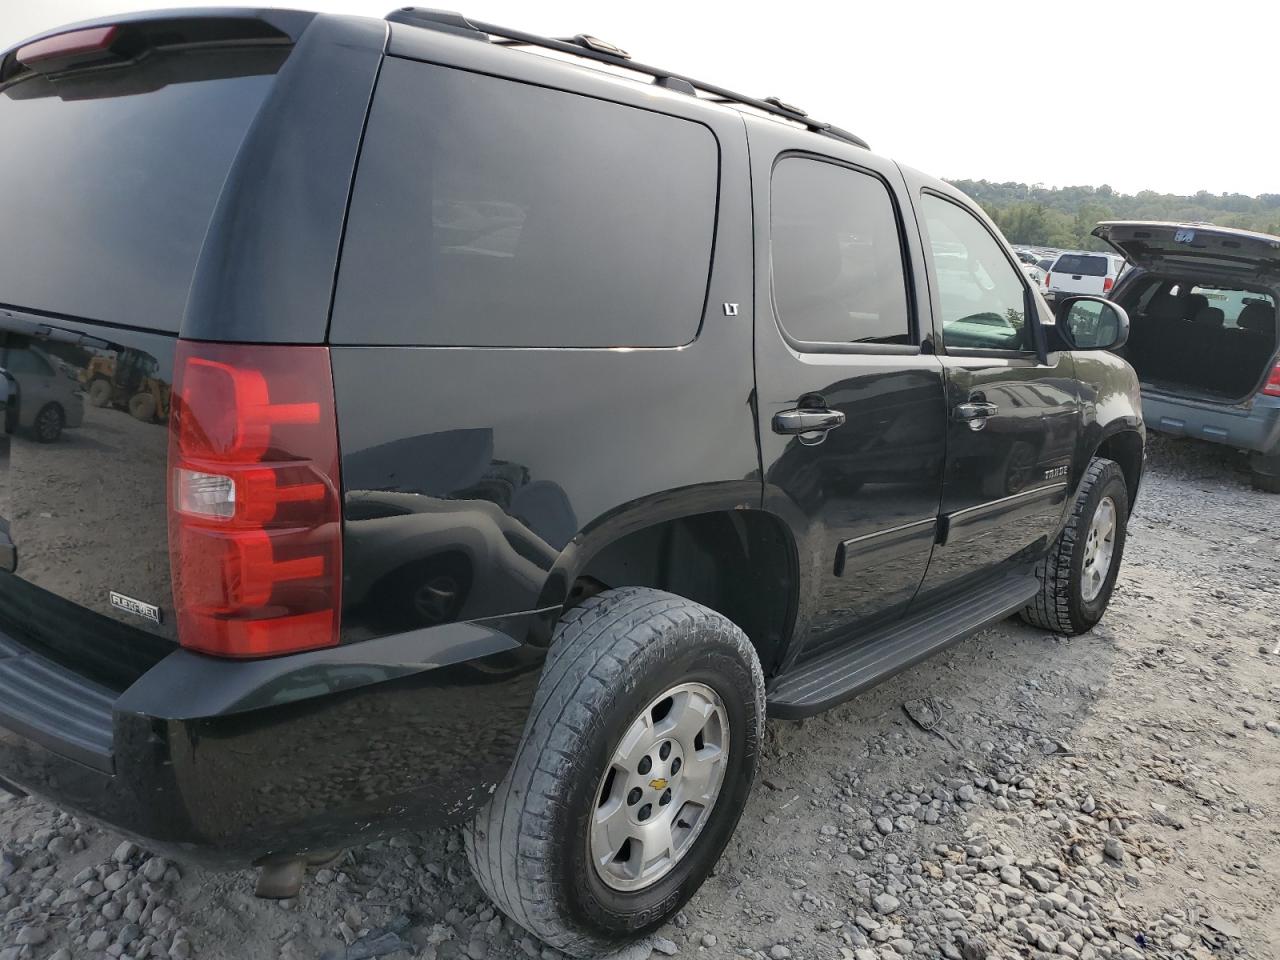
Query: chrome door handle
975	413
807	421
975	410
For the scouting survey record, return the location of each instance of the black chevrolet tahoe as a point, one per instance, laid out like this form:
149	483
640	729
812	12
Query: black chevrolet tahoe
491	430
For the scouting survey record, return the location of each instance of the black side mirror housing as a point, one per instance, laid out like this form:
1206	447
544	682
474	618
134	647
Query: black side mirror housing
1092	323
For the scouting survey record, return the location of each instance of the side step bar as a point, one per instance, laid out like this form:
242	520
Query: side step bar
813	686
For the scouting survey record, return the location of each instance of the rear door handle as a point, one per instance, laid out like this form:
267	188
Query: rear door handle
805	420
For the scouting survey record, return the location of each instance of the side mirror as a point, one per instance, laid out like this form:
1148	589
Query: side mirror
1092	323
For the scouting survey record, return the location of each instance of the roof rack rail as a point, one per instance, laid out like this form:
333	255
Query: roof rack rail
591	48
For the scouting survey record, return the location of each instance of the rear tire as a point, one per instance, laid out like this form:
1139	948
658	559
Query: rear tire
1264	472
535	847
1073	592
48	424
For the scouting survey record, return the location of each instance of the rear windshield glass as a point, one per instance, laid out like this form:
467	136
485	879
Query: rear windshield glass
110	179
493	213
1085	266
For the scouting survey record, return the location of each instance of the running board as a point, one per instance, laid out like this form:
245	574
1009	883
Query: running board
819	684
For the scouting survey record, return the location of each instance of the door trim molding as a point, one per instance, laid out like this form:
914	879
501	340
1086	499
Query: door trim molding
859	552
969	515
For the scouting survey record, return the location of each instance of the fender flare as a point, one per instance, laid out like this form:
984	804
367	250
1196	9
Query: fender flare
632	517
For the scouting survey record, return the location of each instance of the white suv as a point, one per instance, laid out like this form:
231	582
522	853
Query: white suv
1074	274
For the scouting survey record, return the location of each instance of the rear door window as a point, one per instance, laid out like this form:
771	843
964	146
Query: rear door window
836	253
1084	266
488	212
111	178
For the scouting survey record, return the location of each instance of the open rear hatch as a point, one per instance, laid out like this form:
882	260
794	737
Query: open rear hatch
1203	312
1195	248
119	137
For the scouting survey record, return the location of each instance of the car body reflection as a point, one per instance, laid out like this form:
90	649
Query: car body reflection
44	395
437	531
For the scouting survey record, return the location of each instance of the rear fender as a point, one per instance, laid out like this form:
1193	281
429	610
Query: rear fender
637	515
710	544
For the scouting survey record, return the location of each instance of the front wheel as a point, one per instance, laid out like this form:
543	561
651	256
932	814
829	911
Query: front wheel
638	757
143	407
100	392
1078	574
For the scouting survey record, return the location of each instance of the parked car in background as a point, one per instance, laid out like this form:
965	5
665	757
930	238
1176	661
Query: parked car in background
1204	340
49	398
1077	273
1035	275
573	416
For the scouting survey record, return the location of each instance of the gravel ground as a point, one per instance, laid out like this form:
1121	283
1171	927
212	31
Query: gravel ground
1112	795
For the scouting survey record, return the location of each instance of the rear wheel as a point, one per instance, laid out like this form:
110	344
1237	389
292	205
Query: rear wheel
635	764
49	423
1264	471
1078	574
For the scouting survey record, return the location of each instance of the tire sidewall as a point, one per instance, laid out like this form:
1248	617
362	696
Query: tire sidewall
681	656
1085	614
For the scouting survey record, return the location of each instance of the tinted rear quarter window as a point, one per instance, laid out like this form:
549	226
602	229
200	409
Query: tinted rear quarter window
836	255
488	212
110	180
1084	266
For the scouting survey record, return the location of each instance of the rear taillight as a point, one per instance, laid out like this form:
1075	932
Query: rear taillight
255	535
1107	284
1272	386
1048	279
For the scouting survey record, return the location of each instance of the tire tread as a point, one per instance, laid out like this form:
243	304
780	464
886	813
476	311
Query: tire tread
510	841
1050	608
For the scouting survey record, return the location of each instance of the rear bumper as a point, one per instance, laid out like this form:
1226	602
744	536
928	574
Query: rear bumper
1054	296
224	763
1254	427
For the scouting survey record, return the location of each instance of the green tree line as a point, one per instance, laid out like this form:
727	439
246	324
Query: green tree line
1064	216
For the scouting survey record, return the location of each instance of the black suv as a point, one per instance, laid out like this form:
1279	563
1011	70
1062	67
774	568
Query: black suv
518	425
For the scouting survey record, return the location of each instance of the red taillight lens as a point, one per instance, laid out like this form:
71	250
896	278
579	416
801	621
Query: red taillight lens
255	530
1272	387
68	46
1048	279
1107	284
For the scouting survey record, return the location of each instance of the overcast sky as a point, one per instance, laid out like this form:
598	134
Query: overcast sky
1172	96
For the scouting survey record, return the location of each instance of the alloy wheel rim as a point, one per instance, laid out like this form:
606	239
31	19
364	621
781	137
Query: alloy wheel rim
48	423
1099	549
658	790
